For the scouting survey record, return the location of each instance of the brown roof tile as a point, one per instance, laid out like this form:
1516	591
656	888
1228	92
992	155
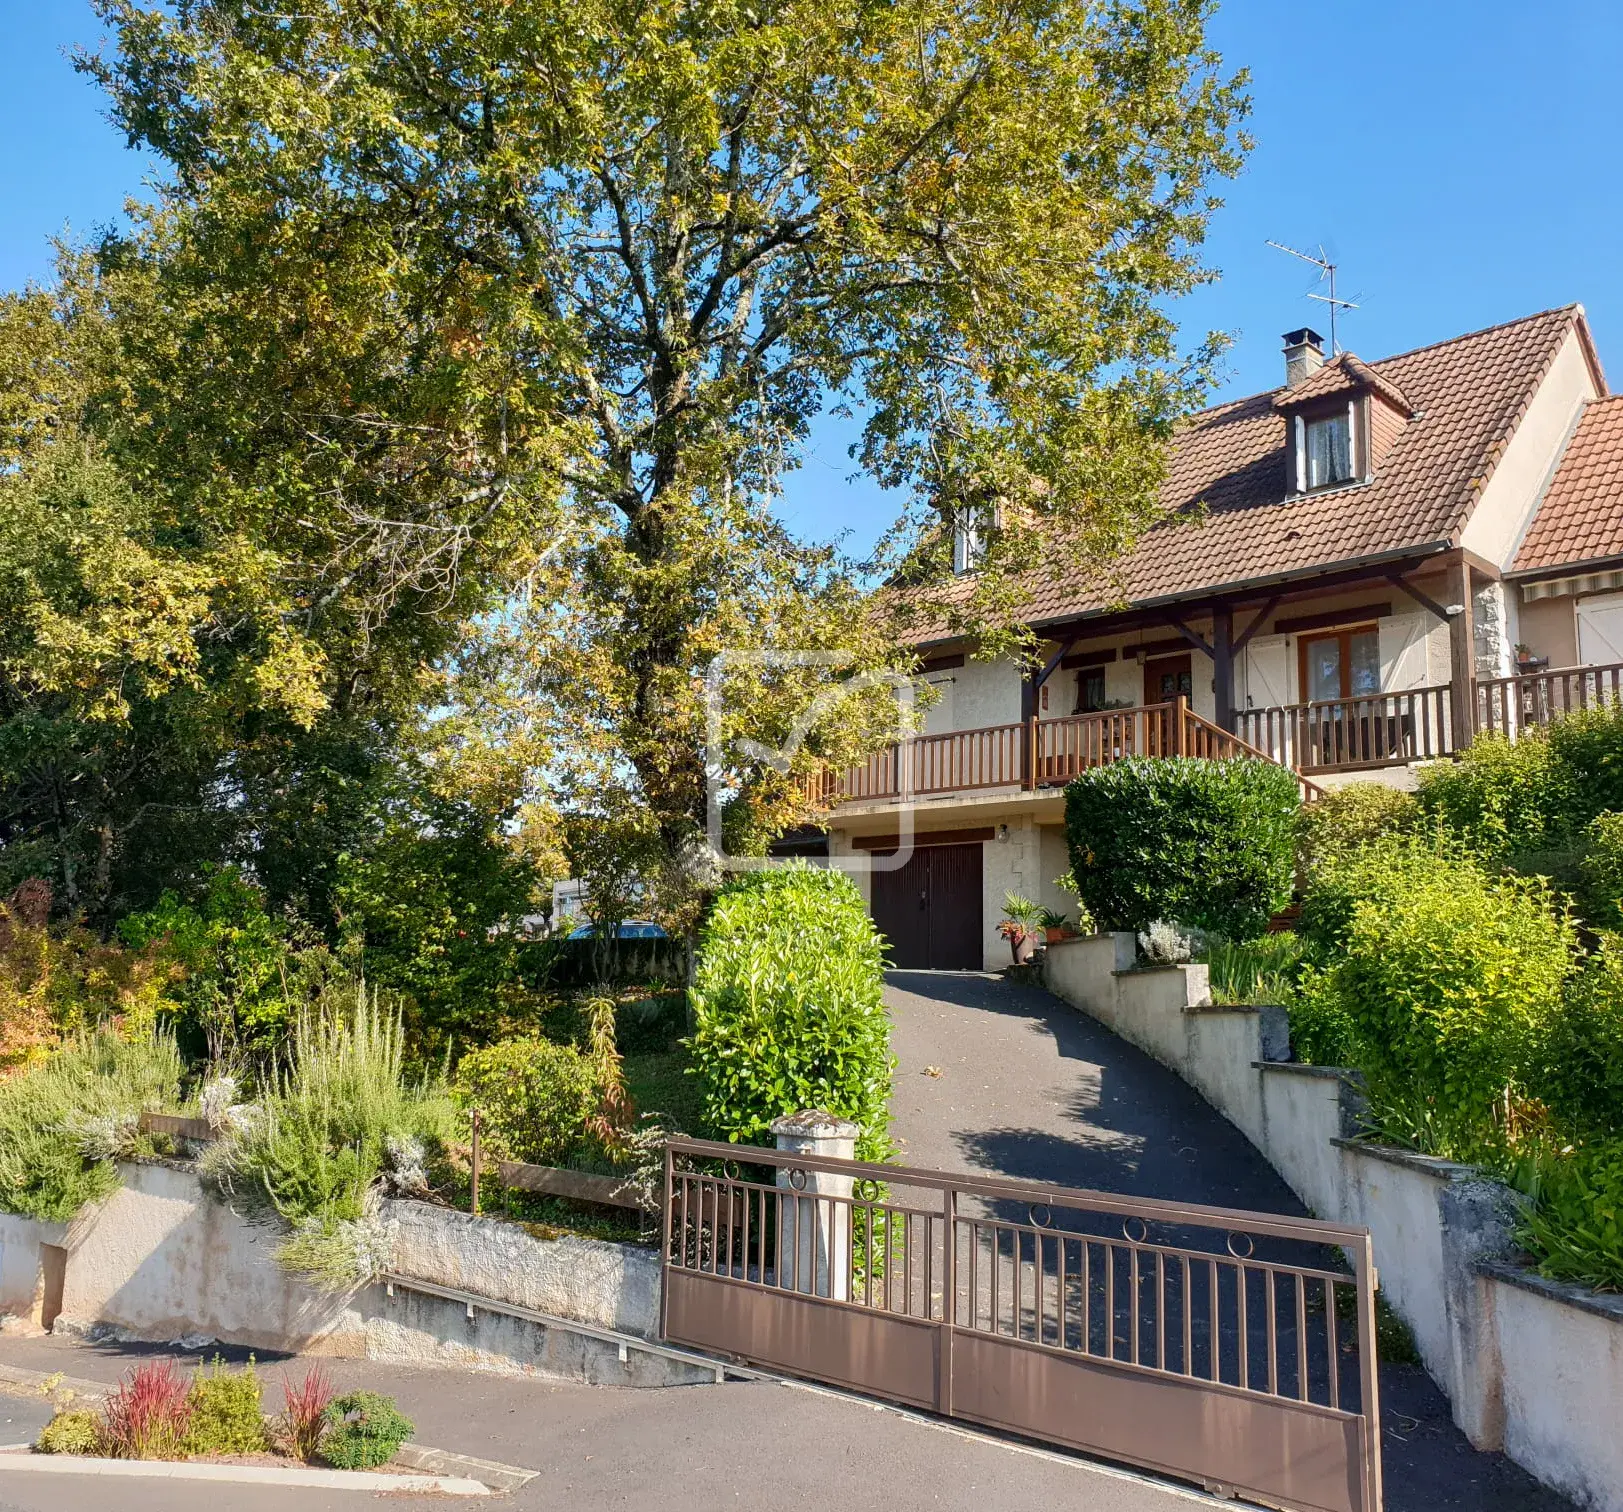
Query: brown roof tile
1345	374
1581	517
1230	521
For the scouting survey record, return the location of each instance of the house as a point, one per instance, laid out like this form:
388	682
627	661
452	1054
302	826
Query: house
1356	572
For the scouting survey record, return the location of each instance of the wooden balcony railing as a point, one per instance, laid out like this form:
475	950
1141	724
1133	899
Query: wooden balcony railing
1039	753
1509	705
1382	729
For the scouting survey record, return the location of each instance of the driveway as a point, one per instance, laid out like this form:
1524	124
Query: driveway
1010	1081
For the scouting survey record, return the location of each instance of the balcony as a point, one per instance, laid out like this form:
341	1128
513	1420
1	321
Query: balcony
1040	753
1311	739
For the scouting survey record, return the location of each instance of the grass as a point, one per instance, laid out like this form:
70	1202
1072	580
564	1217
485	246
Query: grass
659	1083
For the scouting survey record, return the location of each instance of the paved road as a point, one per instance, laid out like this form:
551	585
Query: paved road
1011	1081
750	1445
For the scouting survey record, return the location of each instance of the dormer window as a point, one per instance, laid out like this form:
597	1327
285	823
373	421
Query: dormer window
968	539
1325	449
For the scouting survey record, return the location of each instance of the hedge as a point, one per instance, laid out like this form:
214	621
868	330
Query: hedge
788	1008
1204	843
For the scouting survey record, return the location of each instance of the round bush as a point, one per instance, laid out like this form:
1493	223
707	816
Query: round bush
788	1008
366	1430
1347	817
1205	843
535	1098
71	1432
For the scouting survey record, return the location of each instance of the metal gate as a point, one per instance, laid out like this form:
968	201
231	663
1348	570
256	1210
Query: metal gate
1225	1347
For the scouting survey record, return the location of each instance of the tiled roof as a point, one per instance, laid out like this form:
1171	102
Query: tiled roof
1228	519
1581	517
1345	374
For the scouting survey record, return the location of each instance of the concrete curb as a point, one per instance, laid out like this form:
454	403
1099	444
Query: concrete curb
249	1475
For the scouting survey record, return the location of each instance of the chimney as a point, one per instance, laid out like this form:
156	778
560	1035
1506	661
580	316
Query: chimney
1304	355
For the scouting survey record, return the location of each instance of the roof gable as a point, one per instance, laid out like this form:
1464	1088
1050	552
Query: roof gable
1580	518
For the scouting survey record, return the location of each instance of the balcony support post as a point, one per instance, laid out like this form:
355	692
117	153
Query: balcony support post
1462	656
1223	665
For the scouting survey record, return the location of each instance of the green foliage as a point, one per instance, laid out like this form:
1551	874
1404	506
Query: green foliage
1586	749
536	1098
1204	843
364	1430
339	1117
1580	1076
788	1008
226	1413
63	1122
1449	973
71	1431
1345	818
1322	1030
1254	971
1575	1224
1019	909
1501	797
1601	869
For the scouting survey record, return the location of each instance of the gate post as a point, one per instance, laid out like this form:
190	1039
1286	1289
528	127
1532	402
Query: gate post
814	1210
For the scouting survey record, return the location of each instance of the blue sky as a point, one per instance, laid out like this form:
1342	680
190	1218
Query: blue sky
1458	158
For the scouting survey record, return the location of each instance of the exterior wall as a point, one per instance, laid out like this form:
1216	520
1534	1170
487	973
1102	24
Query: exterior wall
1528	1365
985	693
1027	862
1549	627
22	1275
1506	506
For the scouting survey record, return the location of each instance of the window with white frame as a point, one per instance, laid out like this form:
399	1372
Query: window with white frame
1324	449
968	539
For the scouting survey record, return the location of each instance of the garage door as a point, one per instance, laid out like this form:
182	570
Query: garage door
930	909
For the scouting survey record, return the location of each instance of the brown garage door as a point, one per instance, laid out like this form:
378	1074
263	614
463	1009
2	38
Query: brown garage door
930	909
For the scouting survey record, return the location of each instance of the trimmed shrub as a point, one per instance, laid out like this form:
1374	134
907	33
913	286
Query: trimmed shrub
1450	975
1347	817
535	1097
788	1007
75	1431
1204	843
364	1429
226	1415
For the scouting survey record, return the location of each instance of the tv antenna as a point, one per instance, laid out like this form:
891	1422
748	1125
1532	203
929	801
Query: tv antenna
1327	271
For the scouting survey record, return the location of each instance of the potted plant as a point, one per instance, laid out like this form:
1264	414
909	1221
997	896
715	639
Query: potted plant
1019	926
1056	926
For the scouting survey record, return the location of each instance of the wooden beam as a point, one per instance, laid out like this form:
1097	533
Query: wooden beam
1056	660
941	663
1098	658
1198	642
580	1186
1462	657
1425	600
925	837
1223	666
1257	623
177	1126
1355	615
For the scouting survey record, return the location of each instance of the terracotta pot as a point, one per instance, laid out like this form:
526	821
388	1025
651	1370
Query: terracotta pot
1056	933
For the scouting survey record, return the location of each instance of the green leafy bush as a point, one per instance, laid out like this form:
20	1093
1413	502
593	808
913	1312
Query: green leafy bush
1322	1030
1347	817
65	1121
73	1431
535	1098
226	1413
1449	974
788	1007
1601	867
364	1431
1205	843
1502	798
1580	1077
1586	748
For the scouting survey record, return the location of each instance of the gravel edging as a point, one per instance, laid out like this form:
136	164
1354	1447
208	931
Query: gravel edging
253	1475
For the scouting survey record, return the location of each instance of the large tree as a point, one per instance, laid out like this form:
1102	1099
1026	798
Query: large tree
542	296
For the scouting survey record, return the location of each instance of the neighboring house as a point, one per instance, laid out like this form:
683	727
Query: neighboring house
1375	562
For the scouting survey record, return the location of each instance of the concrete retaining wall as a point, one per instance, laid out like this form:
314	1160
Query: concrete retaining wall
1530	1367
164	1259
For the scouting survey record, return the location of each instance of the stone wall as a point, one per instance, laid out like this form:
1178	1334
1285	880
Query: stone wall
1529	1367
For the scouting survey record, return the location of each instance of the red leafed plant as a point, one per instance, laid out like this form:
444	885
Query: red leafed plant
147	1417
304	1418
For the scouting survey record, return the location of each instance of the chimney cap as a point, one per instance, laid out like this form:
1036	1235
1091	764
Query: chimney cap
1304	336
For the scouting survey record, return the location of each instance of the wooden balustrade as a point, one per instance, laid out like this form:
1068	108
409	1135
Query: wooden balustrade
1509	705
1341	734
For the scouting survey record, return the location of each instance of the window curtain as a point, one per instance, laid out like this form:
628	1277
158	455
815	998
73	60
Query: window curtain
1329	457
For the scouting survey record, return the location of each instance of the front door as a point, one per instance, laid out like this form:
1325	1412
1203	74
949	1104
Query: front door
930	909
1168	677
